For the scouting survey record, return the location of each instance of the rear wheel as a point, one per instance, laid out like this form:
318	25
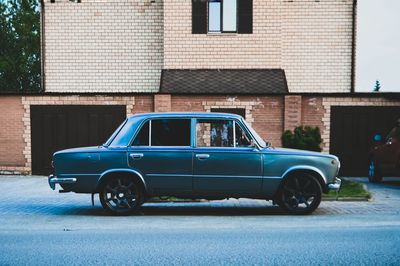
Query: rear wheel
300	194
121	195
373	172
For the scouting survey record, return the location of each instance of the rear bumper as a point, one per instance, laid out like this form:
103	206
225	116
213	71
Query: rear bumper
335	185
53	180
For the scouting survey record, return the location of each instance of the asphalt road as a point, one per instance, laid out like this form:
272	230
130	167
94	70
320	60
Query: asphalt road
47	228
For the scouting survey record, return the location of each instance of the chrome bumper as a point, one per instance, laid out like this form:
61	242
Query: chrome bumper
53	180
335	185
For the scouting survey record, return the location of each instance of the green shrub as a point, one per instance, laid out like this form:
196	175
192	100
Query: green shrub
303	138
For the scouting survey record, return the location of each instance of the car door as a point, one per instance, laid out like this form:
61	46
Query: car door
225	163
162	152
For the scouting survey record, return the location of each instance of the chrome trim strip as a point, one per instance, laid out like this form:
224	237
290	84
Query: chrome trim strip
337	183
229	176
53	180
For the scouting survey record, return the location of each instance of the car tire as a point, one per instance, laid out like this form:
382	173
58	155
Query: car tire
121	195
300	194
374	175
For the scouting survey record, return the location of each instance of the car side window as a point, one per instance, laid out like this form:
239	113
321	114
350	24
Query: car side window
214	133
142	138
170	132
242	138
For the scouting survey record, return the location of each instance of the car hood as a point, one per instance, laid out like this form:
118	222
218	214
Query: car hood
298	152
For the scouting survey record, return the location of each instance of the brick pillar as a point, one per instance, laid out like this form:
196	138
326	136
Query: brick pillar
292	112
162	103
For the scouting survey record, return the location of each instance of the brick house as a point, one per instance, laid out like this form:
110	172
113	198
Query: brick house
279	63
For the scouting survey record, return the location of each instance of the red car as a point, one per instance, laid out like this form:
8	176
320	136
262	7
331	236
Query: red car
384	157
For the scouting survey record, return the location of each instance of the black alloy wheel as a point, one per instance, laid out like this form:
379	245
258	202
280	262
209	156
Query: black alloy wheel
121	195
300	194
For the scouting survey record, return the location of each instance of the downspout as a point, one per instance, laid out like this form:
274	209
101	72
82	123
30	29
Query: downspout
42	47
353	47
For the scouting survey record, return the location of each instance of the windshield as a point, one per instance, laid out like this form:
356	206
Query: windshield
257	137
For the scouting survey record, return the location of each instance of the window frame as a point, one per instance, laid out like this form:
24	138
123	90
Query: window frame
139	128
221	18
235	122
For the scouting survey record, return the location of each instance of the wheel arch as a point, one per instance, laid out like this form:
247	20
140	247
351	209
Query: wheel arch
109	173
313	171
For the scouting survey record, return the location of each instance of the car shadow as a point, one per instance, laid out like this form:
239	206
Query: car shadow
184	211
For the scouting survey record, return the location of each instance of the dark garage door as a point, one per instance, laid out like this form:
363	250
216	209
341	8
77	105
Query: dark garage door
56	127
352	131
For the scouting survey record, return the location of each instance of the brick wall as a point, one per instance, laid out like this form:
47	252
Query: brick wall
11	134
311	40
182	49
312	112
264	113
317	45
103	45
267	114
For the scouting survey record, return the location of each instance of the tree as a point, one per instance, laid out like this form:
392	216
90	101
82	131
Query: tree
377	86
19	46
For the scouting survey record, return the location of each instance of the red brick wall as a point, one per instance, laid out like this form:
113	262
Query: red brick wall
268	118
267	111
143	104
11	131
312	112
188	103
292	112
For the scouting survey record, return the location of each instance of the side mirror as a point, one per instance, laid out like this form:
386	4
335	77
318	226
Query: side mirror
378	138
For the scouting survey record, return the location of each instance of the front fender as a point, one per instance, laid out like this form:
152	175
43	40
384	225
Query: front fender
305	168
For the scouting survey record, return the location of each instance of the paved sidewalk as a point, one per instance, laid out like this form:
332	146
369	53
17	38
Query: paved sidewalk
31	195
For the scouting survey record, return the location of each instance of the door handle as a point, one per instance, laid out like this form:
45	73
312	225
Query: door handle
136	156
202	156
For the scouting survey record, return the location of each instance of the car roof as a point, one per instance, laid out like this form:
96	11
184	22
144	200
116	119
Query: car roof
185	115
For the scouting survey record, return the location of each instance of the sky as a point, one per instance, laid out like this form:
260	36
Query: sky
378	45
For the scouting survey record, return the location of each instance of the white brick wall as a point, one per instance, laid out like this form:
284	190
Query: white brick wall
317	45
103	45
121	45
311	40
261	49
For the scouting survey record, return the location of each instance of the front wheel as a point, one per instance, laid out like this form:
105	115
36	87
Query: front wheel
121	195
373	173
300	194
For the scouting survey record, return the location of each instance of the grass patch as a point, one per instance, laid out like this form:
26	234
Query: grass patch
349	189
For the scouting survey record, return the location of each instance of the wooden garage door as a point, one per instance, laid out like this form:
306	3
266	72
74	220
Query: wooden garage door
352	131
56	127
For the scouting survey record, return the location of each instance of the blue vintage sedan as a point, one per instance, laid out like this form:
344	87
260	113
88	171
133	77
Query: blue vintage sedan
194	155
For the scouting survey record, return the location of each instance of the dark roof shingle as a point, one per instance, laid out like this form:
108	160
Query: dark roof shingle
223	81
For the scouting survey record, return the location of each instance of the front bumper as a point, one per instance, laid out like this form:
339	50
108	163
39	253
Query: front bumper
53	180
337	182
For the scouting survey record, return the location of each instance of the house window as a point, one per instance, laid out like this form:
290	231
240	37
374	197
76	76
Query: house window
222	15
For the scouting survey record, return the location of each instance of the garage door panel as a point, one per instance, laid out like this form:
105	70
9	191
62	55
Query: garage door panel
352	131
55	127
